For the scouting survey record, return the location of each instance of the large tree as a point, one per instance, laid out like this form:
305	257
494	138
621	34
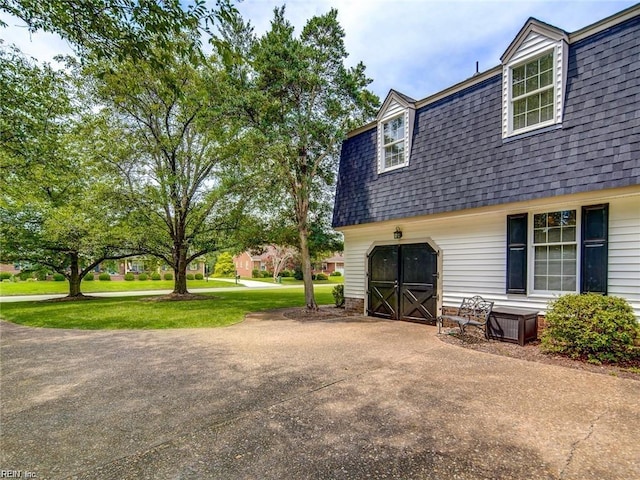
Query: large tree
177	175
53	209
118	29
299	99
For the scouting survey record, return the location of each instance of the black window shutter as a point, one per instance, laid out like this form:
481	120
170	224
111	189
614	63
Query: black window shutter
594	250
517	253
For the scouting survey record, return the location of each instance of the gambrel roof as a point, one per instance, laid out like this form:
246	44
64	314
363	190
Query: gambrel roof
460	160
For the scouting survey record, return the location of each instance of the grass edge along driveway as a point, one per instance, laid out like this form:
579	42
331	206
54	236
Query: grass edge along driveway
217	310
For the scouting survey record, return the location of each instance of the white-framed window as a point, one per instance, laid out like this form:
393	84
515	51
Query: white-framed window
393	142
532	93
555	251
534	77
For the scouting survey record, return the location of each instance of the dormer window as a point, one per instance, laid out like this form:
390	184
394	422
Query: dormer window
393	142
534	79
395	128
532	92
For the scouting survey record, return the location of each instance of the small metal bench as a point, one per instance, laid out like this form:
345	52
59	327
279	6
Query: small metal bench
473	311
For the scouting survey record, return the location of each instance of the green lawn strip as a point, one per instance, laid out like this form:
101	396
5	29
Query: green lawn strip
50	287
223	308
293	281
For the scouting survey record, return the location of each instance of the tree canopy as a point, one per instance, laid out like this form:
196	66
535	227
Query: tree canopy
298	99
53	210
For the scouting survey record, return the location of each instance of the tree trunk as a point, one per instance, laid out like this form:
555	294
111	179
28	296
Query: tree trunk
309	297
74	276
180	270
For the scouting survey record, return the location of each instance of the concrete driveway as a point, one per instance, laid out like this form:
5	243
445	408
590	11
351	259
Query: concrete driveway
273	398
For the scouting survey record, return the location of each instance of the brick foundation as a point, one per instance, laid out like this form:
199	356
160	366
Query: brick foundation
354	305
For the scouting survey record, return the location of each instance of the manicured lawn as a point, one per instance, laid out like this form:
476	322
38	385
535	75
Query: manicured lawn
293	281
223	308
50	287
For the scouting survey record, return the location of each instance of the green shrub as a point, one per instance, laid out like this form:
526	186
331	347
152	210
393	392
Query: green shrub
5	275
297	274
129	277
338	295
255	273
592	327
266	274
199	276
156	276
321	276
168	276
89	277
143	277
286	273
104	277
58	277
24	276
190	276
335	274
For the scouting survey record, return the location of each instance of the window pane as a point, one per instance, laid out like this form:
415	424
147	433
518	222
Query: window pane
533	83
520	106
519	122
569	284
530	78
546	62
555	267
569	251
518	74
546	113
554	283
569	234
569	217
555	235
546	78
540	220
569	267
518	89
541	253
393	130
546	97
559	256
540	268
554	219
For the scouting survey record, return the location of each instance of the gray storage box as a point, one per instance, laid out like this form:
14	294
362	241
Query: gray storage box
517	325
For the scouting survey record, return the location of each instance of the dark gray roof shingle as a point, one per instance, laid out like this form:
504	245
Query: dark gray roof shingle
459	159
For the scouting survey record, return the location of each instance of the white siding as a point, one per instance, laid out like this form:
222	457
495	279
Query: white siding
473	250
532	45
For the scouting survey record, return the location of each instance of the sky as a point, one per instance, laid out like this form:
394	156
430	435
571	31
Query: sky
418	47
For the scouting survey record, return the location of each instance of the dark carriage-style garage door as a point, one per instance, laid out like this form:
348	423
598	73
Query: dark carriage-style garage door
403	282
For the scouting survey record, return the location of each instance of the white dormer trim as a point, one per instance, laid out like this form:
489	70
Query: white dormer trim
535	40
395	106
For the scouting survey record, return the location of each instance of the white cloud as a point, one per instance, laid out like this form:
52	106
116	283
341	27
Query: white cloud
418	47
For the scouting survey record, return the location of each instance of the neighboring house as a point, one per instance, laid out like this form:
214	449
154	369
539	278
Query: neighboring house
519	184
12	268
333	264
144	265
246	262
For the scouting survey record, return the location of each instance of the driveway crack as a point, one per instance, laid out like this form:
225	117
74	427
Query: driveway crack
577	443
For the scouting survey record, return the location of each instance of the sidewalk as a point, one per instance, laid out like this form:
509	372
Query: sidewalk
143	293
